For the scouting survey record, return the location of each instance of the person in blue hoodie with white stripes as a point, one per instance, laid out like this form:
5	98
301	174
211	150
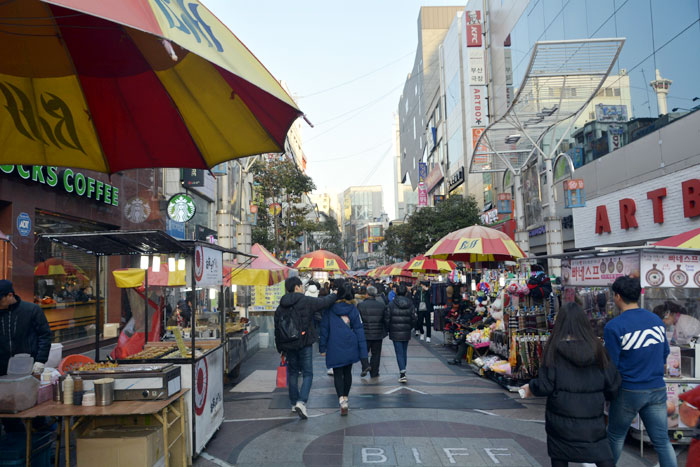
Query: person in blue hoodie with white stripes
637	345
343	341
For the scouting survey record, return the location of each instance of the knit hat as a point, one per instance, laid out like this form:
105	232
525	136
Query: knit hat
5	288
312	291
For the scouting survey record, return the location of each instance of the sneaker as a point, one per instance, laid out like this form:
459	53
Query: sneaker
402	378
344	406
427	339
330	372
417	333
300	409
422	337
454	362
364	372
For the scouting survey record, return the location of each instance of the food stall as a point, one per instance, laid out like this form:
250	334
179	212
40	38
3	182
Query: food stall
670	278
200	358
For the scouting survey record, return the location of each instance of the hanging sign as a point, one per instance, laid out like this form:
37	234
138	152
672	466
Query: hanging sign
181	207
505	203
670	270
208	266
575	196
24	224
422	172
600	271
422	195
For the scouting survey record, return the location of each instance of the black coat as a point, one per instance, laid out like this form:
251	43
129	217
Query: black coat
423	295
310	308
400	318
23	329
576	389
372	313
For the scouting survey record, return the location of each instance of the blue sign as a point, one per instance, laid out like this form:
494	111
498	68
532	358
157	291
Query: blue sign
24	224
575	198
422	171
175	229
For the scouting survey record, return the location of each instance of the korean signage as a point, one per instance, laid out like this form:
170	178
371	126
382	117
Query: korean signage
456	179
574	194
611	113
192	177
615	135
479	158
422	195
422	172
208	266
69	180
489	217
658	208
505	203
600	271
508	55
265	298
477	72
670	270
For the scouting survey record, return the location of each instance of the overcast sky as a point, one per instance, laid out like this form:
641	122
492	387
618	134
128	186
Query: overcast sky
345	64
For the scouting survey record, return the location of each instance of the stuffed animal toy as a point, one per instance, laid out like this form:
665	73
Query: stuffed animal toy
496	312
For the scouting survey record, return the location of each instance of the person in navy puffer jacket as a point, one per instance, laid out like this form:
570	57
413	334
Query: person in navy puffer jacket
343	341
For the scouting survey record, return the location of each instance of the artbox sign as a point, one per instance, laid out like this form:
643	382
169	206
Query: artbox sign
477	108
655	209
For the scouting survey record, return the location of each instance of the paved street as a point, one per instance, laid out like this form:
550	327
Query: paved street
444	416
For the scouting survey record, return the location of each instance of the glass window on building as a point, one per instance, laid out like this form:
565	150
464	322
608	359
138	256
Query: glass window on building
65	279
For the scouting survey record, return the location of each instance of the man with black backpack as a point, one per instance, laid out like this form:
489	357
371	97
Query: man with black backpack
295	335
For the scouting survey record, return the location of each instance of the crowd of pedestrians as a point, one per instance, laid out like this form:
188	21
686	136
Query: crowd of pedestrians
579	372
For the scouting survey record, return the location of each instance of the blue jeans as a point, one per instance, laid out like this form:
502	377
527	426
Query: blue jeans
299	360
401	349
651	406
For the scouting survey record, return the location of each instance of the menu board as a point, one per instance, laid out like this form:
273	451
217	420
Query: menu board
670	270
600	271
264	298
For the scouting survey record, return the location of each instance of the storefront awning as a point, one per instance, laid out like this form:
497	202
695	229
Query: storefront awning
561	79
128	242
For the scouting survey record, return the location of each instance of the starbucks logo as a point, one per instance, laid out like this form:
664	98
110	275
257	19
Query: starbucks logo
137	210
181	208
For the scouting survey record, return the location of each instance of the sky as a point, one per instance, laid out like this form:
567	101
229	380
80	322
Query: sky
345	64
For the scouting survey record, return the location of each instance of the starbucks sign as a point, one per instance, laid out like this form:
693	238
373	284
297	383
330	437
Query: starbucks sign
181	207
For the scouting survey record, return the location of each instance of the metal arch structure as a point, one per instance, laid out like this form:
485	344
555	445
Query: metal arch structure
562	78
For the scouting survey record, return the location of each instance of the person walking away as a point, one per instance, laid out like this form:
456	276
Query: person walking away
424	305
637	344
392	293
23	329
577	377
343	341
372	314
399	319
295	335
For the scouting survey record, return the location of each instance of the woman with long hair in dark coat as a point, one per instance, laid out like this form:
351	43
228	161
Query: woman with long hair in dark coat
577	377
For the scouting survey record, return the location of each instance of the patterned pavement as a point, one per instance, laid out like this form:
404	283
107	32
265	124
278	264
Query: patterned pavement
444	416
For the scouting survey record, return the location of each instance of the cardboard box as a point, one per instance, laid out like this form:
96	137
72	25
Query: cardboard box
119	446
110	330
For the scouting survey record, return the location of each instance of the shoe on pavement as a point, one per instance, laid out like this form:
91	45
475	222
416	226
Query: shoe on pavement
422	337
454	362
330	372
300	409
427	339
364	372
343	405
402	378
417	333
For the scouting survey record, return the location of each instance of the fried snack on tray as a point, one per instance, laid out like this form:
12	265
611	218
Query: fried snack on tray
151	353
96	366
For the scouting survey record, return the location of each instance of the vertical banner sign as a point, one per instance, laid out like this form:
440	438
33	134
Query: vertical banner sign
422	172
477	109
422	195
208	266
574	193
477	71
505	203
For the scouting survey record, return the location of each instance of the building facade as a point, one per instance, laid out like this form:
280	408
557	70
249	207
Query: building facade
361	205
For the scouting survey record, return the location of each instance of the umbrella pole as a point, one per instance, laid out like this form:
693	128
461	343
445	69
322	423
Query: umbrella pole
97	310
146	302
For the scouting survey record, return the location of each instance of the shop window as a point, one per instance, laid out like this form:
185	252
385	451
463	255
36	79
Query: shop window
65	279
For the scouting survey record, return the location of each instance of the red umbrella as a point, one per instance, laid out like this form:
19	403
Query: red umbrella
476	244
321	260
430	265
57	266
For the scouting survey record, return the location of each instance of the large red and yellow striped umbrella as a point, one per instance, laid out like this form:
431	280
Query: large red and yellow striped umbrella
690	240
476	244
401	269
265	269
430	265
121	84
321	260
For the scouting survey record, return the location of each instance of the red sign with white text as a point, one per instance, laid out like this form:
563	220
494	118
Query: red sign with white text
473	35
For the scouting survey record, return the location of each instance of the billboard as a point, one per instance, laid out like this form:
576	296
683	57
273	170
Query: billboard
611	113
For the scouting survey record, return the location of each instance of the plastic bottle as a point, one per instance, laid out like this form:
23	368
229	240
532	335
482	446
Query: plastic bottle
68	390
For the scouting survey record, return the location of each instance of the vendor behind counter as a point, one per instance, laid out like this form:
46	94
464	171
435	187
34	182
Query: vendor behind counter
23	329
681	327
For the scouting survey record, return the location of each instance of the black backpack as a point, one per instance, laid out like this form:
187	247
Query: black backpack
290	331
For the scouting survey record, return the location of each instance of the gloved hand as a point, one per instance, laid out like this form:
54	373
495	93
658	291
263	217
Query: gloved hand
38	368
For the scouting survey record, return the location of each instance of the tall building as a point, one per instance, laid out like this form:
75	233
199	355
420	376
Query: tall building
360	205
405	197
420	109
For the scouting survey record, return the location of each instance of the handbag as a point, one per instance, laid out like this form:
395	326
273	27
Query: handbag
422	306
282	374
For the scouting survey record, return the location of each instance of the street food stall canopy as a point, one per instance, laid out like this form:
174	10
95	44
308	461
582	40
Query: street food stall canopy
263	270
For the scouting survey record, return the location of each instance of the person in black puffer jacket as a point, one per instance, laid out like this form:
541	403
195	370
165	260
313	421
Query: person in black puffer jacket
577	377
372	313
399	319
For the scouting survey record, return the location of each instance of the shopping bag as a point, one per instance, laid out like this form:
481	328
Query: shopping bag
282	374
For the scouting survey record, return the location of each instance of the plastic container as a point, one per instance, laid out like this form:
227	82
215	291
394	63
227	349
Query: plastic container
104	391
55	355
68	391
20	364
78	397
89	399
13	449
44	393
18	393
77	384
